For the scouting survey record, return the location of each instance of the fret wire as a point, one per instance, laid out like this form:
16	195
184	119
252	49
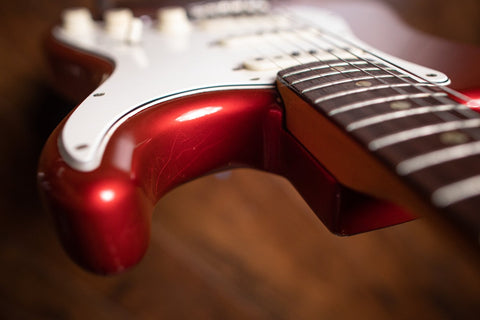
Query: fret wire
328	74
436	157
362	59
324	66
462	190
457	191
465	111
318	59
325	85
381	100
382	68
406	135
293	57
396	115
358	90
422	160
452	92
300	35
346	62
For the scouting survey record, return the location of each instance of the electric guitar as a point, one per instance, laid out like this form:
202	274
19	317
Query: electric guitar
368	139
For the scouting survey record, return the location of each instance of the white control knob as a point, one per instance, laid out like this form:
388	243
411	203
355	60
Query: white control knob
77	21
117	22
173	20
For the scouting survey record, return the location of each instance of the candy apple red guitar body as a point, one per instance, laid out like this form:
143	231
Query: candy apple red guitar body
169	98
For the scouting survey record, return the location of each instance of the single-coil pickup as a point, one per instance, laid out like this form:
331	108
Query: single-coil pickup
295	58
266	35
244	23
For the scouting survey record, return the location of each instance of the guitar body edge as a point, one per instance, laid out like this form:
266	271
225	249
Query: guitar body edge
103	216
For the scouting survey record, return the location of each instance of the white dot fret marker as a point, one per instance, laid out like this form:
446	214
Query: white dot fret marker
453	137
363	83
400	105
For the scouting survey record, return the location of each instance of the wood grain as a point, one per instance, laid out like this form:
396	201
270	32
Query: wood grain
239	246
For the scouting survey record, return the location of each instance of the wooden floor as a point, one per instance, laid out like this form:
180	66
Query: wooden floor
241	245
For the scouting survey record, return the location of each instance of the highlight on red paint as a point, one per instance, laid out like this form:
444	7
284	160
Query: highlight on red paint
474	102
107	195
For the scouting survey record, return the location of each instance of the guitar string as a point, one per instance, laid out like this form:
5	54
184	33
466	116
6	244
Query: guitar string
286	53
372	62
418	85
462	187
450	92
461	97
282	51
288	15
326	62
465	111
380	79
339	58
339	71
361	70
406	80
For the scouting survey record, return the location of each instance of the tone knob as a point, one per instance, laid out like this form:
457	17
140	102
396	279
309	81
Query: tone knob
173	20
117	22
77	21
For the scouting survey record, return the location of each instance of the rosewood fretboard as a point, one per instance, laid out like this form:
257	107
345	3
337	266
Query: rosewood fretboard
414	129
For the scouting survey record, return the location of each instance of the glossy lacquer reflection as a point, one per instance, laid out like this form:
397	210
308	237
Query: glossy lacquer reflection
103	216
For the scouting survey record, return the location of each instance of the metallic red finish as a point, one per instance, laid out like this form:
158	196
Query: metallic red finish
103	216
474	94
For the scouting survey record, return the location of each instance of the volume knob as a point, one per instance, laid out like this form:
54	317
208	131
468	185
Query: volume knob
77	21
173	20
117	22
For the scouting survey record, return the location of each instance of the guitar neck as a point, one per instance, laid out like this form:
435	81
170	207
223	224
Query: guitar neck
387	133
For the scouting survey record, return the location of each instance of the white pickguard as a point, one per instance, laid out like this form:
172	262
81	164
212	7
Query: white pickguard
166	66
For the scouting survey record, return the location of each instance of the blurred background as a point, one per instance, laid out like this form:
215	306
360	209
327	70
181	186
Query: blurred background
239	246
